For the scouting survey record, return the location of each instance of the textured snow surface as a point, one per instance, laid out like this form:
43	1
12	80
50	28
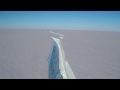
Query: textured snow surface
90	54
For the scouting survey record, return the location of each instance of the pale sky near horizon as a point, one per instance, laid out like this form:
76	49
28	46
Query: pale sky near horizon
67	20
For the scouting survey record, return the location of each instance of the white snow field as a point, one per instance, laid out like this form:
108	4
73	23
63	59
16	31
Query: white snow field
91	54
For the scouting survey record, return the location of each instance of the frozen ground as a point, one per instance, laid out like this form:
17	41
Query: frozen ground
90	54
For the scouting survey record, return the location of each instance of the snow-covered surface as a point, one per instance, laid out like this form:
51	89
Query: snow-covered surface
24	53
58	67
90	54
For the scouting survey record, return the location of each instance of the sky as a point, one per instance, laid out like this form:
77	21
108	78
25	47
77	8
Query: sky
64	20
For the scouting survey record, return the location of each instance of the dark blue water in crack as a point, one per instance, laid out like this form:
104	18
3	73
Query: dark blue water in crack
54	64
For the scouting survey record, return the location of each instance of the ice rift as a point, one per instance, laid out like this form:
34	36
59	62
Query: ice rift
58	68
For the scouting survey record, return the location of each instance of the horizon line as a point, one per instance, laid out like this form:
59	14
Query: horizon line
57	29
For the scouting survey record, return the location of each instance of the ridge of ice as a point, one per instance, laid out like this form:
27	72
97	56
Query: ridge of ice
57	33
61	37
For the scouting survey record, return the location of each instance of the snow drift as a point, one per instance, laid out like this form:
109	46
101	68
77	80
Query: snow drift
58	68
